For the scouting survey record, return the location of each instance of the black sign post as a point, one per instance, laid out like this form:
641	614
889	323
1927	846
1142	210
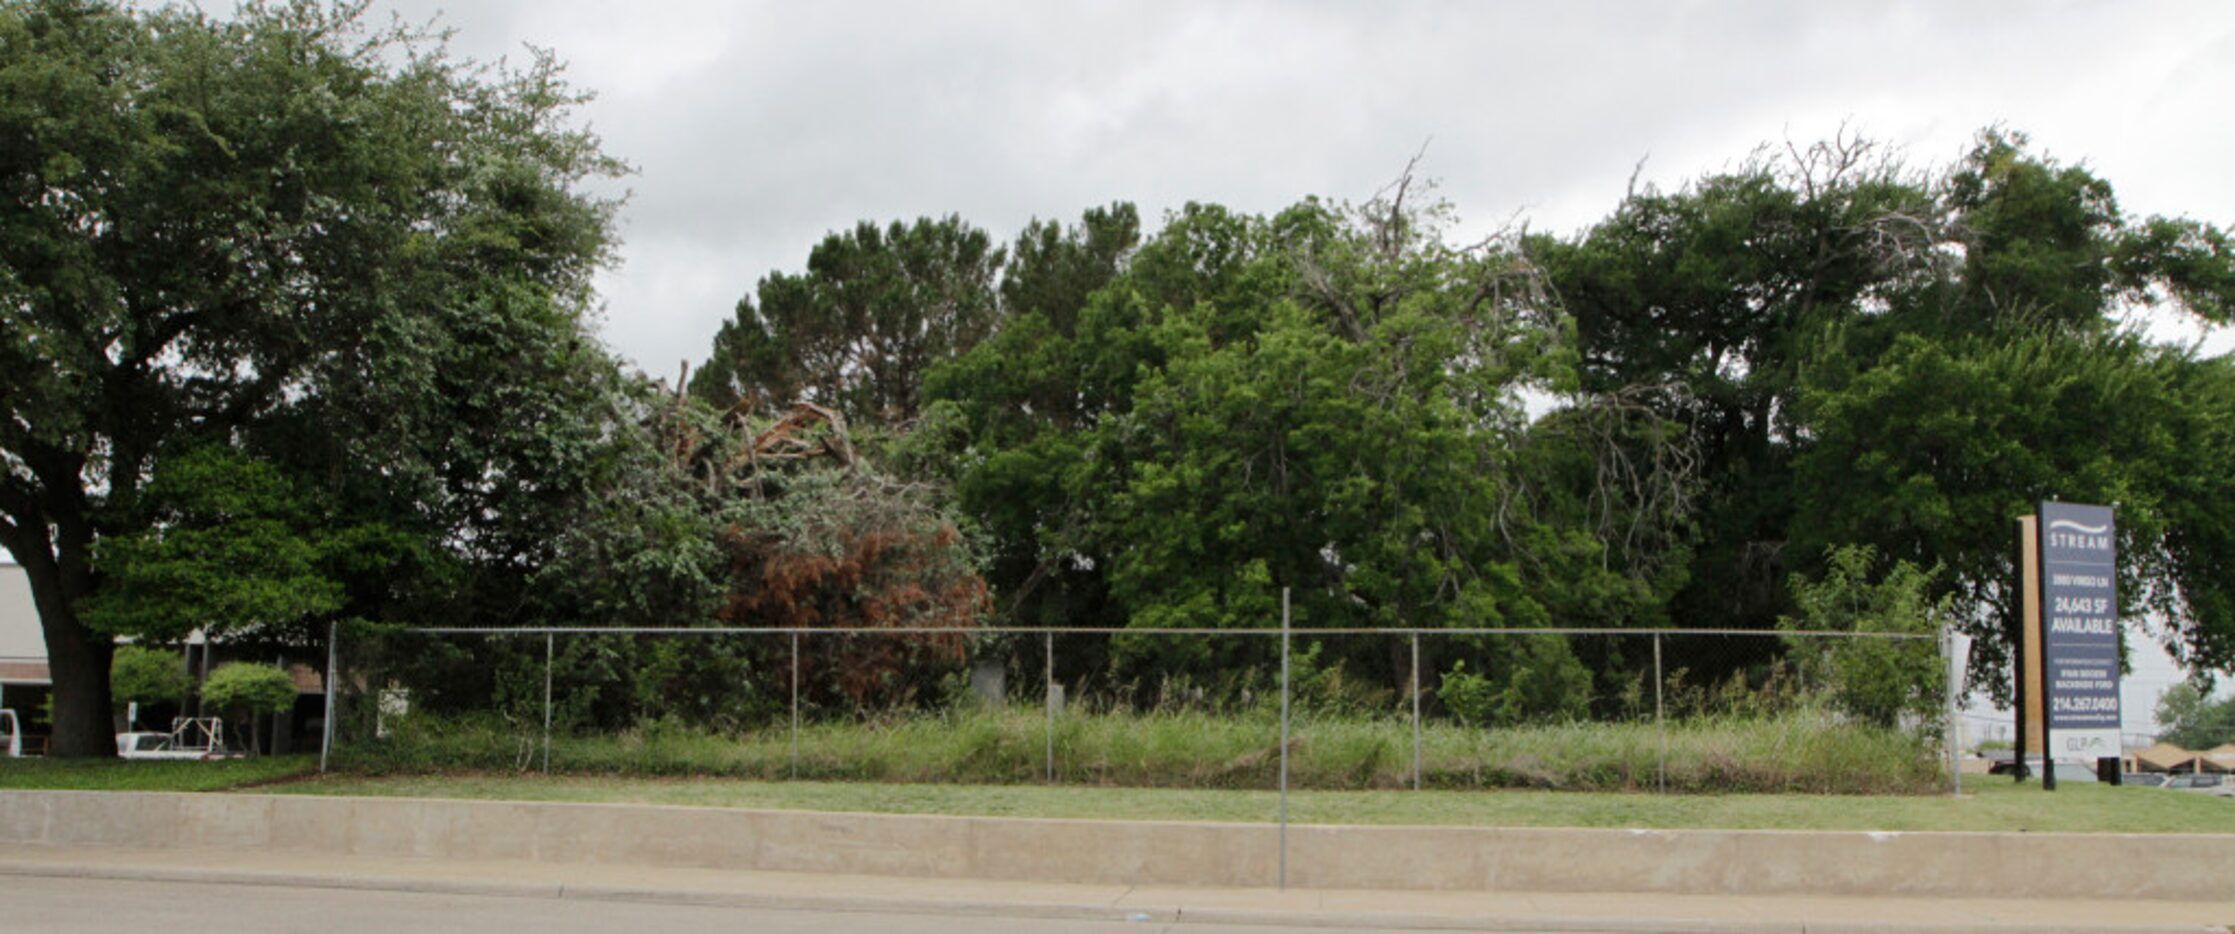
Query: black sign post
2079	634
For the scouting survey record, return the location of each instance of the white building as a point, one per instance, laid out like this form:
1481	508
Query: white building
24	680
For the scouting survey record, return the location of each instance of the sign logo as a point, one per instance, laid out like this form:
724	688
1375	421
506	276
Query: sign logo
2065	533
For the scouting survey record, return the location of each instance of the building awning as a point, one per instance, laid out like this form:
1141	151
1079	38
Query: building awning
2163	757
25	672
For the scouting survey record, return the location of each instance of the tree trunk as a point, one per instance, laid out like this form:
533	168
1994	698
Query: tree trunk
77	657
1400	663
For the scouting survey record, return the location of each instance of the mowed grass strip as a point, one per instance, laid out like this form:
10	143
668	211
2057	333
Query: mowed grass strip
122	775
1988	804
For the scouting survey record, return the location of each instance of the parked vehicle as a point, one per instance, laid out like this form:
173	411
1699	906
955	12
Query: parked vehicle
2210	783
189	738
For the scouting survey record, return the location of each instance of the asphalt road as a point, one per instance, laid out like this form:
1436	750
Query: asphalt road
98	905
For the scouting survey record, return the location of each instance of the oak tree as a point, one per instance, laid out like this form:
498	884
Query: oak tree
276	229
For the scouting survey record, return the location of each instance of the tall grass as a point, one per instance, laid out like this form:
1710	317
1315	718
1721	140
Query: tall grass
1802	750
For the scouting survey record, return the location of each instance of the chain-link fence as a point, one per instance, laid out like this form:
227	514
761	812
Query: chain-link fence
1588	709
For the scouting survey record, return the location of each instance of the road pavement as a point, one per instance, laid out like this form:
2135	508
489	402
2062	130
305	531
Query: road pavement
239	892
127	906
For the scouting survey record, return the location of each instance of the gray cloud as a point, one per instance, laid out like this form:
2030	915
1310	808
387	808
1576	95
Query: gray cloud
759	127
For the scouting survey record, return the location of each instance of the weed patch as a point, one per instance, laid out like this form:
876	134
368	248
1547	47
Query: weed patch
1798	751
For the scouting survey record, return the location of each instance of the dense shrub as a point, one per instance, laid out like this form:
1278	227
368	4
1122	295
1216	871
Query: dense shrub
1541	681
145	675
256	687
1881	681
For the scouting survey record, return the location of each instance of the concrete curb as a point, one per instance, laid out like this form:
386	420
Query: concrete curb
1573	923
1152	853
1042	910
421	885
305	880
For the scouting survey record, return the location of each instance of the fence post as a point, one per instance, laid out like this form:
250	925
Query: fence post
1660	722
333	685
1284	738
550	644
1048	689
795	707
1948	735
1416	711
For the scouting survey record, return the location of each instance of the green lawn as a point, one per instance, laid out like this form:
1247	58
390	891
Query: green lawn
119	775
1989	804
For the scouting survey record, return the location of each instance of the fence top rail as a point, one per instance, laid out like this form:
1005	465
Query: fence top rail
1124	631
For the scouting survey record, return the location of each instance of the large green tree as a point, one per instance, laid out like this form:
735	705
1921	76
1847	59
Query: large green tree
282	230
1707	295
2193	720
1866	353
875	310
1325	399
233	549
1025	399
1931	451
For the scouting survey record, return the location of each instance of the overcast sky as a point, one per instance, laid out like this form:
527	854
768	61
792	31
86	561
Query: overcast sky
758	127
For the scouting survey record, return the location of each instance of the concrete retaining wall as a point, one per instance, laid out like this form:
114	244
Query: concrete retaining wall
2117	866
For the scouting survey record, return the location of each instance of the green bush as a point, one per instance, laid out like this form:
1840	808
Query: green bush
1324	687
260	688
138	673
1881	681
1539	681
1470	697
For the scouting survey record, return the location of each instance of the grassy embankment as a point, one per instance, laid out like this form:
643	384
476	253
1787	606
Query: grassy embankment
1794	752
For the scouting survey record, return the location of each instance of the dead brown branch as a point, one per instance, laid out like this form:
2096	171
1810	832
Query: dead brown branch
793	438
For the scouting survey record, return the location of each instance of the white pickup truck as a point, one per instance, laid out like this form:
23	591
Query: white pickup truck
189	738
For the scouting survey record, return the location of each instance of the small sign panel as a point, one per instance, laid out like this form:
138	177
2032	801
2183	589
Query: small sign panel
2080	629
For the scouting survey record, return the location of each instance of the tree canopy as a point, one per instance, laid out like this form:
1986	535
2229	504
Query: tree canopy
1907	359
295	329
876	309
2193	720
232	550
327	246
144	675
